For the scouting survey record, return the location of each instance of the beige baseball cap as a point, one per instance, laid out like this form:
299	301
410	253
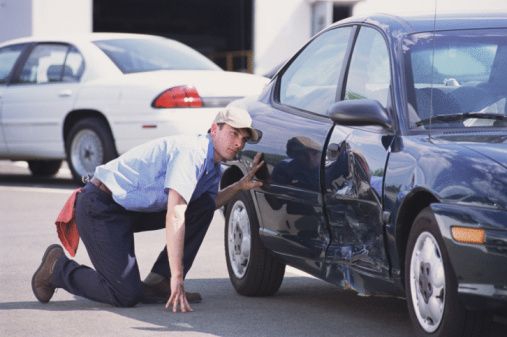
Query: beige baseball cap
238	118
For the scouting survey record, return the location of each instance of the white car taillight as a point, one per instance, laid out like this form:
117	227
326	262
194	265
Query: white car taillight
183	96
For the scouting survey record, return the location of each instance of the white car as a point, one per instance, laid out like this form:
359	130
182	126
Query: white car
87	99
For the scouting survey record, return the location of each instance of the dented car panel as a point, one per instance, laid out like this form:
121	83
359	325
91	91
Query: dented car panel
385	147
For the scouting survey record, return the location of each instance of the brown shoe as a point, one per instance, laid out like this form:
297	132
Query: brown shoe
157	289
41	280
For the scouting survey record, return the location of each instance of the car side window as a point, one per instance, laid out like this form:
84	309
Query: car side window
49	63
369	75
74	66
310	82
8	57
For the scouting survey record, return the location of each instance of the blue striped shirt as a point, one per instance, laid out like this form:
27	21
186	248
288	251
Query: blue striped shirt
140	179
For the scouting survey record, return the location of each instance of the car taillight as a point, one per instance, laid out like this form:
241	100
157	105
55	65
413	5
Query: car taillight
178	97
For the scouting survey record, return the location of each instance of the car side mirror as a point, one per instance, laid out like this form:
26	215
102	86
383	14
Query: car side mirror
359	112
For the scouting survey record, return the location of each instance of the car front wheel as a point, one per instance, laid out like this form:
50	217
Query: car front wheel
253	270
88	145
44	168
431	286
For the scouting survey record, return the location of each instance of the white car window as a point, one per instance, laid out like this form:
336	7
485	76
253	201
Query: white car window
74	66
369	74
45	64
139	55
310	82
8	57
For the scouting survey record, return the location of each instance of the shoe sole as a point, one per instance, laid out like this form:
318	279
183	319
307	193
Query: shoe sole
46	253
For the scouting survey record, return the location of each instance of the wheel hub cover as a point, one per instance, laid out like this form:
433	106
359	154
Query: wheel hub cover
86	152
238	239
424	281
427	282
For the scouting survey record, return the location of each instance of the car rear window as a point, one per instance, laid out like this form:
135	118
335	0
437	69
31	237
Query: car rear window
150	54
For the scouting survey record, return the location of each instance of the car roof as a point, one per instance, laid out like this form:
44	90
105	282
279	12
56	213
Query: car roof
415	23
75	38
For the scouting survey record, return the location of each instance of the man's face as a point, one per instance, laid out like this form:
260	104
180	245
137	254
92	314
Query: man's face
314	158
228	141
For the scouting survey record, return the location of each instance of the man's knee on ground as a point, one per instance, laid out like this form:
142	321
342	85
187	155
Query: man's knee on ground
128	296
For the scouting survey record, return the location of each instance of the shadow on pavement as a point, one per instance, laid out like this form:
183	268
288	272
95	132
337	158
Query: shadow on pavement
302	307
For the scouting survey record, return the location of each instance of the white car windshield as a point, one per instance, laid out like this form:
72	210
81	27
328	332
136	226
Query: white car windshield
457	78
132	55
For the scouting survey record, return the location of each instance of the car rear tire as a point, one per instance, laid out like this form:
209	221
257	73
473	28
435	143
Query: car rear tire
88	145
431	286
253	270
44	168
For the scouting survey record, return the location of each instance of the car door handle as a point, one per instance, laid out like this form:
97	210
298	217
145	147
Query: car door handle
65	93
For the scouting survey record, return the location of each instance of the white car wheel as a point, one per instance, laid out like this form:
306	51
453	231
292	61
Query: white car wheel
88	145
86	152
44	168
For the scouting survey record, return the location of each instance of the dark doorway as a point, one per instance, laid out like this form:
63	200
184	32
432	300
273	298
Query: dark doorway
220	29
341	12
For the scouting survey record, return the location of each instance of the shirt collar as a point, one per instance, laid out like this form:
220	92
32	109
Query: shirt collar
210	156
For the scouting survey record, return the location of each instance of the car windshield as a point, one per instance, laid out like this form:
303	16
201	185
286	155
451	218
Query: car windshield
134	55
457	78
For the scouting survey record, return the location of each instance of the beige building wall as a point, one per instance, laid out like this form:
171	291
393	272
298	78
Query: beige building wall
62	16
20	18
281	27
417	6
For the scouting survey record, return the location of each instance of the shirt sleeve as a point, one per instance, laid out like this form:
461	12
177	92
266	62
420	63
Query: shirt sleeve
182	174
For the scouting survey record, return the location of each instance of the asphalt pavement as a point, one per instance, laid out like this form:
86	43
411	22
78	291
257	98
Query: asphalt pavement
304	306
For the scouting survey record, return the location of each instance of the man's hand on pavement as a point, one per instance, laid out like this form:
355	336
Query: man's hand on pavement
178	297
